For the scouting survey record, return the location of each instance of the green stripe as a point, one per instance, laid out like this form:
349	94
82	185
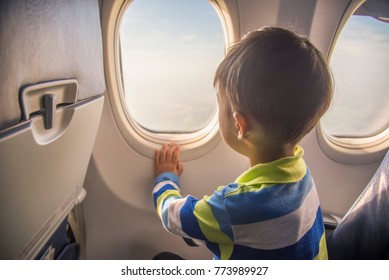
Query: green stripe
162	197
322	255
211	229
248	189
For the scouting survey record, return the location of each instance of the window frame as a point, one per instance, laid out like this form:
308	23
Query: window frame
354	150
194	144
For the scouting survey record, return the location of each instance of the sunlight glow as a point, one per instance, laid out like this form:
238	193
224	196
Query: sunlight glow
170	51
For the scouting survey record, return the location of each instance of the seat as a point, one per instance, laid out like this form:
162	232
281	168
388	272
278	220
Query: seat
363	233
51	97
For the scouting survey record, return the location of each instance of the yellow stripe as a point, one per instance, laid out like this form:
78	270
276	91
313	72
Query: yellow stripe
322	255
247	189
211	229
285	170
164	196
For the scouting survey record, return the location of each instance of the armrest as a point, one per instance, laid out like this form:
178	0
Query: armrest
331	221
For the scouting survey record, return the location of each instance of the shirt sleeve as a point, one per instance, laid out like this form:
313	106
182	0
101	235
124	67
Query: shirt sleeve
203	219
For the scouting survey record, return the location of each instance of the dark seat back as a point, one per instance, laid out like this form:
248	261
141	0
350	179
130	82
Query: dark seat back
364	231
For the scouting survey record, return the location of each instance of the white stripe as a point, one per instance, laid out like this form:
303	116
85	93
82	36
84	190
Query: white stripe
279	232
160	185
165	207
174	216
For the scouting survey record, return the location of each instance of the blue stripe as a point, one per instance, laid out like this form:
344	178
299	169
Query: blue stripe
214	248
216	202
167	176
161	191
190	225
267	203
189	222
306	248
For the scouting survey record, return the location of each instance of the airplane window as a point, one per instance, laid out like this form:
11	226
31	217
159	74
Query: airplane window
360	64
169	53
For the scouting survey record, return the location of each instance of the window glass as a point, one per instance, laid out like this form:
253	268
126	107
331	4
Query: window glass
360	64
169	53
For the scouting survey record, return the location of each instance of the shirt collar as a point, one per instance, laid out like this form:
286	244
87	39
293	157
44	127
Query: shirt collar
285	170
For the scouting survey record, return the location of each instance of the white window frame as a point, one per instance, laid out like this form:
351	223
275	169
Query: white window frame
352	150
193	145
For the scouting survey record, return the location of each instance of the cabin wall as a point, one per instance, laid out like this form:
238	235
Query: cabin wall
119	214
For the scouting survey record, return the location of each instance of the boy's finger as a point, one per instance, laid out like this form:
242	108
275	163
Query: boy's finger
170	151
156	156
180	168
176	153
162	155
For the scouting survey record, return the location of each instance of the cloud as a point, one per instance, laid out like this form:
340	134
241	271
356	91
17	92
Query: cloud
188	37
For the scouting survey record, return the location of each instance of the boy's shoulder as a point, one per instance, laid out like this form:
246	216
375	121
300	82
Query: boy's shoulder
267	189
241	188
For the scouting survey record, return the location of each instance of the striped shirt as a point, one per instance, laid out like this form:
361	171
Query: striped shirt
271	211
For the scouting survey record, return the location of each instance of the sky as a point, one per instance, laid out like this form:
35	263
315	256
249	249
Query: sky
171	49
360	64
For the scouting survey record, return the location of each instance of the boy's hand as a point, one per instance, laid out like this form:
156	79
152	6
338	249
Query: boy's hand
167	160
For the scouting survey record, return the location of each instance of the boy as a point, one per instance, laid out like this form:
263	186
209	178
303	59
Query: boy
272	87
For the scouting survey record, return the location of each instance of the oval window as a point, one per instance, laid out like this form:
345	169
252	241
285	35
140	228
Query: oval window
169	53
360	64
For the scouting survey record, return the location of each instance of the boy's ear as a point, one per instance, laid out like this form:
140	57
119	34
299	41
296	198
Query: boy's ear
242	124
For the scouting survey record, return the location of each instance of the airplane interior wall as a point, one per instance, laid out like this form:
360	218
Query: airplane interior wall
119	214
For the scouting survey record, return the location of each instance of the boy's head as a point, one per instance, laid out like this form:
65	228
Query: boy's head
278	79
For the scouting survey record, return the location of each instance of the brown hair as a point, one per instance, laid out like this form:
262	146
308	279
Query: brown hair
280	79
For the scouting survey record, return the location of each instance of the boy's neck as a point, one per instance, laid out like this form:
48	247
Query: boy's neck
269	153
